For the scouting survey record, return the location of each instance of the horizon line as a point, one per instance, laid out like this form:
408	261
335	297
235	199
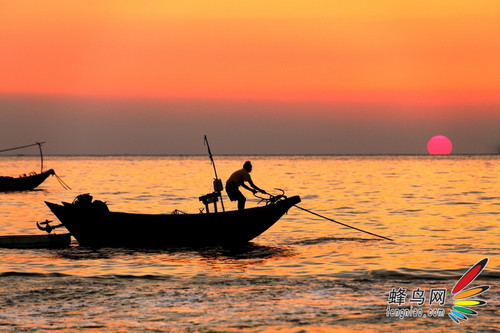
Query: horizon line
255	154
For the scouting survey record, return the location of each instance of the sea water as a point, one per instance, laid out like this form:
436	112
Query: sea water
303	274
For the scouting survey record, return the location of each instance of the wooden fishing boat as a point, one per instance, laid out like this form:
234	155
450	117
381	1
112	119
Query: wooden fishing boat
24	182
30	181
35	241
92	224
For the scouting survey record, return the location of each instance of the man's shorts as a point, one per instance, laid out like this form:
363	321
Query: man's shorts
233	192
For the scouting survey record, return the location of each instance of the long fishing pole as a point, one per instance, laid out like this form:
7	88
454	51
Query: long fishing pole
217	181
210	156
9	149
345	225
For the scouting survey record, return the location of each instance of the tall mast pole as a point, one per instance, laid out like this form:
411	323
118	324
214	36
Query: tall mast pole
34	144
41	156
216	180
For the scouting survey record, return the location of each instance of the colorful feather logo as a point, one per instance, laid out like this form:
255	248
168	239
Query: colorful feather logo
463	299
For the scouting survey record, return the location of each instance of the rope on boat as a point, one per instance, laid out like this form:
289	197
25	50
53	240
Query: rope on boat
345	225
63	184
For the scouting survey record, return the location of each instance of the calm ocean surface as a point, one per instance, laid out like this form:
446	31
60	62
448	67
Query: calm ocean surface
305	273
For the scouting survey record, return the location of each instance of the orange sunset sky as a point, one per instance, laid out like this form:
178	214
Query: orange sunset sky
251	72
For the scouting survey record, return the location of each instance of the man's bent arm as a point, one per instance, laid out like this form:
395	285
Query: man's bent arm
256	187
247	188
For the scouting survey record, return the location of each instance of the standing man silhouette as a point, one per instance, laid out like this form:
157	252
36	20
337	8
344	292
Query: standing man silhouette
237	179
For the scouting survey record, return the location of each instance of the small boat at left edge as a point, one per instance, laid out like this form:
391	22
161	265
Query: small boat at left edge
25	182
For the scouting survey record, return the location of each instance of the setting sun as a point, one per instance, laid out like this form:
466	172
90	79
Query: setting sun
439	145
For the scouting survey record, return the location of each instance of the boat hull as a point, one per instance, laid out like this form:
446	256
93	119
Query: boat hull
101	228
24	183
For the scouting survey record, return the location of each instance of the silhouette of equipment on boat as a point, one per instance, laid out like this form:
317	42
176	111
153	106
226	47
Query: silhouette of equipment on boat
28	182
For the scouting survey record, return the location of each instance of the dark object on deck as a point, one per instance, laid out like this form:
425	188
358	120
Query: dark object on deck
35	241
25	182
94	225
211	198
